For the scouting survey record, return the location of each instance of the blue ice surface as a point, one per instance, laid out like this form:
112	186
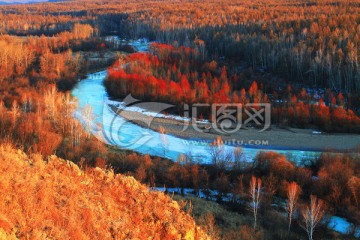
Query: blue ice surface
116	131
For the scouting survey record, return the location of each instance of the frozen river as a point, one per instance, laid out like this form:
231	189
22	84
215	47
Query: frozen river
115	130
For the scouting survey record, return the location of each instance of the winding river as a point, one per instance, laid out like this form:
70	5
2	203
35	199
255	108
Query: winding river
116	131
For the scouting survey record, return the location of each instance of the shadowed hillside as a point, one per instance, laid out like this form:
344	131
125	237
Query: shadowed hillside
55	199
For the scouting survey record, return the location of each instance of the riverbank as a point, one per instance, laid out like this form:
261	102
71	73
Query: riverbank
274	138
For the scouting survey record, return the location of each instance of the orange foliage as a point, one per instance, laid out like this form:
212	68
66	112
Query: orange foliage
276	164
57	200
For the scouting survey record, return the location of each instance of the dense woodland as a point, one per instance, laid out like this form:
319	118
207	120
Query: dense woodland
179	76
333	178
307	42
302	56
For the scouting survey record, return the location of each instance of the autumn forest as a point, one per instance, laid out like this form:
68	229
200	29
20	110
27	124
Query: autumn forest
300	57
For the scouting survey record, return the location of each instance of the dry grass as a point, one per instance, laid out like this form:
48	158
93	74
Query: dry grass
214	218
56	200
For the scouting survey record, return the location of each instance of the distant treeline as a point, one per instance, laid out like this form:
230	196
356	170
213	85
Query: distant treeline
179	75
306	43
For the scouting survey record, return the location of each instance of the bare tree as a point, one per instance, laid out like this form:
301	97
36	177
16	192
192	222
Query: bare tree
239	159
75	132
270	184
49	100
200	46
292	195
216	149
88	118
15	112
220	157
68	106
163	138
254	192
312	215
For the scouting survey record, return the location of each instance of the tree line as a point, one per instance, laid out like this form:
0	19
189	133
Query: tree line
310	43
180	75
306	193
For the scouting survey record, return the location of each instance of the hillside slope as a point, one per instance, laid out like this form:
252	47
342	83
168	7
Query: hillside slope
54	199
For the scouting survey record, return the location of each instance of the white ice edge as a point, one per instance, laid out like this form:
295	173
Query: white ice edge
92	92
146	112
116	131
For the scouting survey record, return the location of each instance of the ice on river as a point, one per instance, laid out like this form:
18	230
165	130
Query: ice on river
115	130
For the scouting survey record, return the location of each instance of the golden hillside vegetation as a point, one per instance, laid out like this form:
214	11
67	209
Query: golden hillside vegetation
54	199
